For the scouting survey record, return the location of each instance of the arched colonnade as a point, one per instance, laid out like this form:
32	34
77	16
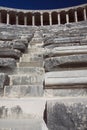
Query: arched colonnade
38	18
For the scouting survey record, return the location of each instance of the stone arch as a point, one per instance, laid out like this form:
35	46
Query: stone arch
54	18
62	17
37	18
29	18
46	18
12	17
3	16
80	14
21	18
71	13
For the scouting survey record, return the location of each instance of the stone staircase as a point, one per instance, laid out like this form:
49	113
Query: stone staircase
24	88
45	83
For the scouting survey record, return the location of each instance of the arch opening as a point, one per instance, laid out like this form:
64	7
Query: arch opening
63	17
37	19
46	19
80	14
21	18
71	16
12	18
54	18
29	19
3	16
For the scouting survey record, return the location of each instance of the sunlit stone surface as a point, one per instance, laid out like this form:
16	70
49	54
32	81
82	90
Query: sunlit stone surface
43	69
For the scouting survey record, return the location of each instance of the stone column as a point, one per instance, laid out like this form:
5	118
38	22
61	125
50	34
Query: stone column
59	22
85	17
33	20
0	18
25	20
16	19
7	17
50	19
67	18
41	19
76	17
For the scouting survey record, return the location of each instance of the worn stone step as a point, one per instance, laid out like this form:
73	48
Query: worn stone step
23	124
22	108
69	61
66	79
10	53
7	63
35	50
69	50
72	82
21	91
31	79
64	92
29	58
30	64
23	70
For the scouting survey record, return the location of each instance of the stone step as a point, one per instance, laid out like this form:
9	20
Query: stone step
10	53
24	70
29	58
23	124
72	82
32	79
64	92
30	64
20	91
66	79
22	108
69	50
68	61
35	50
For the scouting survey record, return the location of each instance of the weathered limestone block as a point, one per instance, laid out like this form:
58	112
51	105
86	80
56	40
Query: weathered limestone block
13	45
4	80
24	41
69	50
7	62
66	79
31	79
30	64
23	91
7	35
31	57
67	114
64	92
23	70
68	61
63	39
12	53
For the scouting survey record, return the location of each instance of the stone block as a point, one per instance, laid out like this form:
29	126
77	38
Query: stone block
4	80
13	45
23	70
7	62
30	64
23	91
69	61
64	92
31	79
23	124
66	114
10	53
68	50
